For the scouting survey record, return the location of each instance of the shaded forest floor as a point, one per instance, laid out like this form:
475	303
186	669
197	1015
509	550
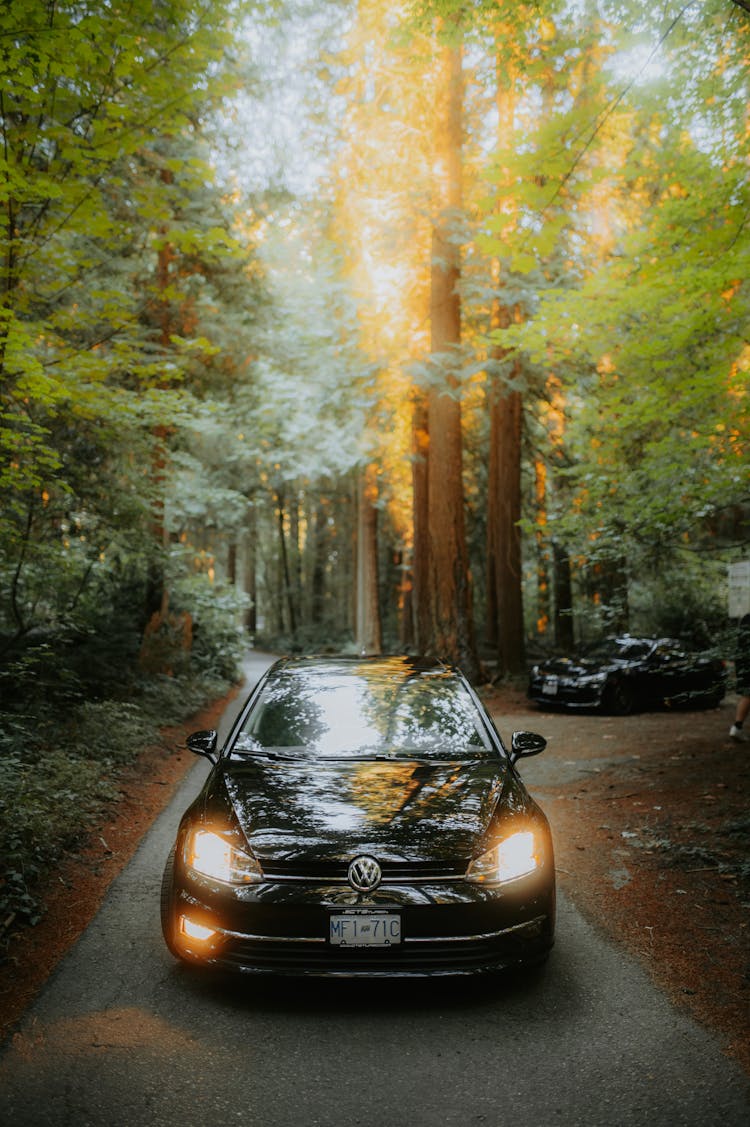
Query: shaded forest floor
651	819
651	822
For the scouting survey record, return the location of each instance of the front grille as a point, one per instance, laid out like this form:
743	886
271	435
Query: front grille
445	955
334	871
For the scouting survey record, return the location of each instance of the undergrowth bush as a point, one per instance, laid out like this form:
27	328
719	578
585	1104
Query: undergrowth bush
216	610
168	700
60	770
110	731
45	808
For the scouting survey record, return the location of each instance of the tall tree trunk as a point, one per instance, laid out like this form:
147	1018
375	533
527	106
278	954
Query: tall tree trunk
542	548
452	634
611	592
368	631
318	564
564	634
504	566
420	599
251	570
157	597
406	634
295	553
505	629
284	559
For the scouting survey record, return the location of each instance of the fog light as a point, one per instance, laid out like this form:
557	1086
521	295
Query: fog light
193	930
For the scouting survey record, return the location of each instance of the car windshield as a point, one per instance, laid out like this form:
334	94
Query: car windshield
314	714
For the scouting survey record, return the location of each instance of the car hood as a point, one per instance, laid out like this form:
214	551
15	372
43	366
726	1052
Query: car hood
400	809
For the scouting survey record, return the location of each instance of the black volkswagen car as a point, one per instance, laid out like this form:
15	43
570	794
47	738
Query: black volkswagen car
623	674
363	818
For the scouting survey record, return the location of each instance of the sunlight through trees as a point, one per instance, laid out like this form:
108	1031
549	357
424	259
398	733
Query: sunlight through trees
380	325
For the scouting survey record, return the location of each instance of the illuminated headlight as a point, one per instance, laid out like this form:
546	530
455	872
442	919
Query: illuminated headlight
211	855
516	856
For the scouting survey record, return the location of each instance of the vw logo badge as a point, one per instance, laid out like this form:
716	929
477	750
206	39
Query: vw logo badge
364	874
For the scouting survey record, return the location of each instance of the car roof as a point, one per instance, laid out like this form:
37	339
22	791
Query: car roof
373	667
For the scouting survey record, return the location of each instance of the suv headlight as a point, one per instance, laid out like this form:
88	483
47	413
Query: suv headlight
513	857
210	855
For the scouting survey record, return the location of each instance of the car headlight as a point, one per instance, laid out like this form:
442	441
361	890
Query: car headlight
211	855
513	857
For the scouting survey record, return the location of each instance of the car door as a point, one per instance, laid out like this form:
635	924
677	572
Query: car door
672	672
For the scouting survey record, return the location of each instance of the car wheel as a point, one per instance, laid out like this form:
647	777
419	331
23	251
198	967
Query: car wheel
619	698
168	920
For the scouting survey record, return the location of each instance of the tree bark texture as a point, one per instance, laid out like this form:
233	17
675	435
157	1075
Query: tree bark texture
564	633
420	552
504	578
284	561
251	570
542	548
505	628
157	596
368	633
452	634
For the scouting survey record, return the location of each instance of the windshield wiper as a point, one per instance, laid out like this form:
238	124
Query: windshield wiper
262	753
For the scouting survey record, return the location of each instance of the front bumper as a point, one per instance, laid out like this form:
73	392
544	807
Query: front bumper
562	692
446	928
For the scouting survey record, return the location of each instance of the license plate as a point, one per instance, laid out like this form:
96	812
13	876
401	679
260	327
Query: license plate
550	686
365	929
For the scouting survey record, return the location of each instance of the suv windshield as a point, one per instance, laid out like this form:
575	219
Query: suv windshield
350	716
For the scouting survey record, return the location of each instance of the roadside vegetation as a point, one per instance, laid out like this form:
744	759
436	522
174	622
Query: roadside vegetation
380	325
64	744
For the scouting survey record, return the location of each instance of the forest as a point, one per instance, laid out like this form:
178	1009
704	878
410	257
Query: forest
384	325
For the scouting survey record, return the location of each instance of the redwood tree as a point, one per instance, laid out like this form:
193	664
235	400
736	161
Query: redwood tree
449	584
368	628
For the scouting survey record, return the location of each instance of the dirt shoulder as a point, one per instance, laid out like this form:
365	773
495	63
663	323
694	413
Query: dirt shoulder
651	821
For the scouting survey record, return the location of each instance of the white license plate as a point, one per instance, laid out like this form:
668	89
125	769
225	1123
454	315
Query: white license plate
550	686
365	929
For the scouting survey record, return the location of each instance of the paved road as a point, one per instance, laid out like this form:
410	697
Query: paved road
123	1036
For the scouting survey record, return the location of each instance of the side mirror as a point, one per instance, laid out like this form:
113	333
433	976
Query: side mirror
525	744
203	743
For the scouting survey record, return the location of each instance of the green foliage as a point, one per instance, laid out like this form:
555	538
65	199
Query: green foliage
216	608
108	731
640	319
685	599
168	394
58	774
120	259
46	807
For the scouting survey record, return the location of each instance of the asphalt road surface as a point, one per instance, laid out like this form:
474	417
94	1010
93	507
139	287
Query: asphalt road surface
123	1036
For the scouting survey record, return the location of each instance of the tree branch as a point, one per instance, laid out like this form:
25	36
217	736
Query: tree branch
605	115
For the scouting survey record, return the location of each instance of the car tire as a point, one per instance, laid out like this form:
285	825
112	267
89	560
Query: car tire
168	918
619	698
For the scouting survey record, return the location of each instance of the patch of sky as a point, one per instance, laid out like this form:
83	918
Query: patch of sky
278	132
